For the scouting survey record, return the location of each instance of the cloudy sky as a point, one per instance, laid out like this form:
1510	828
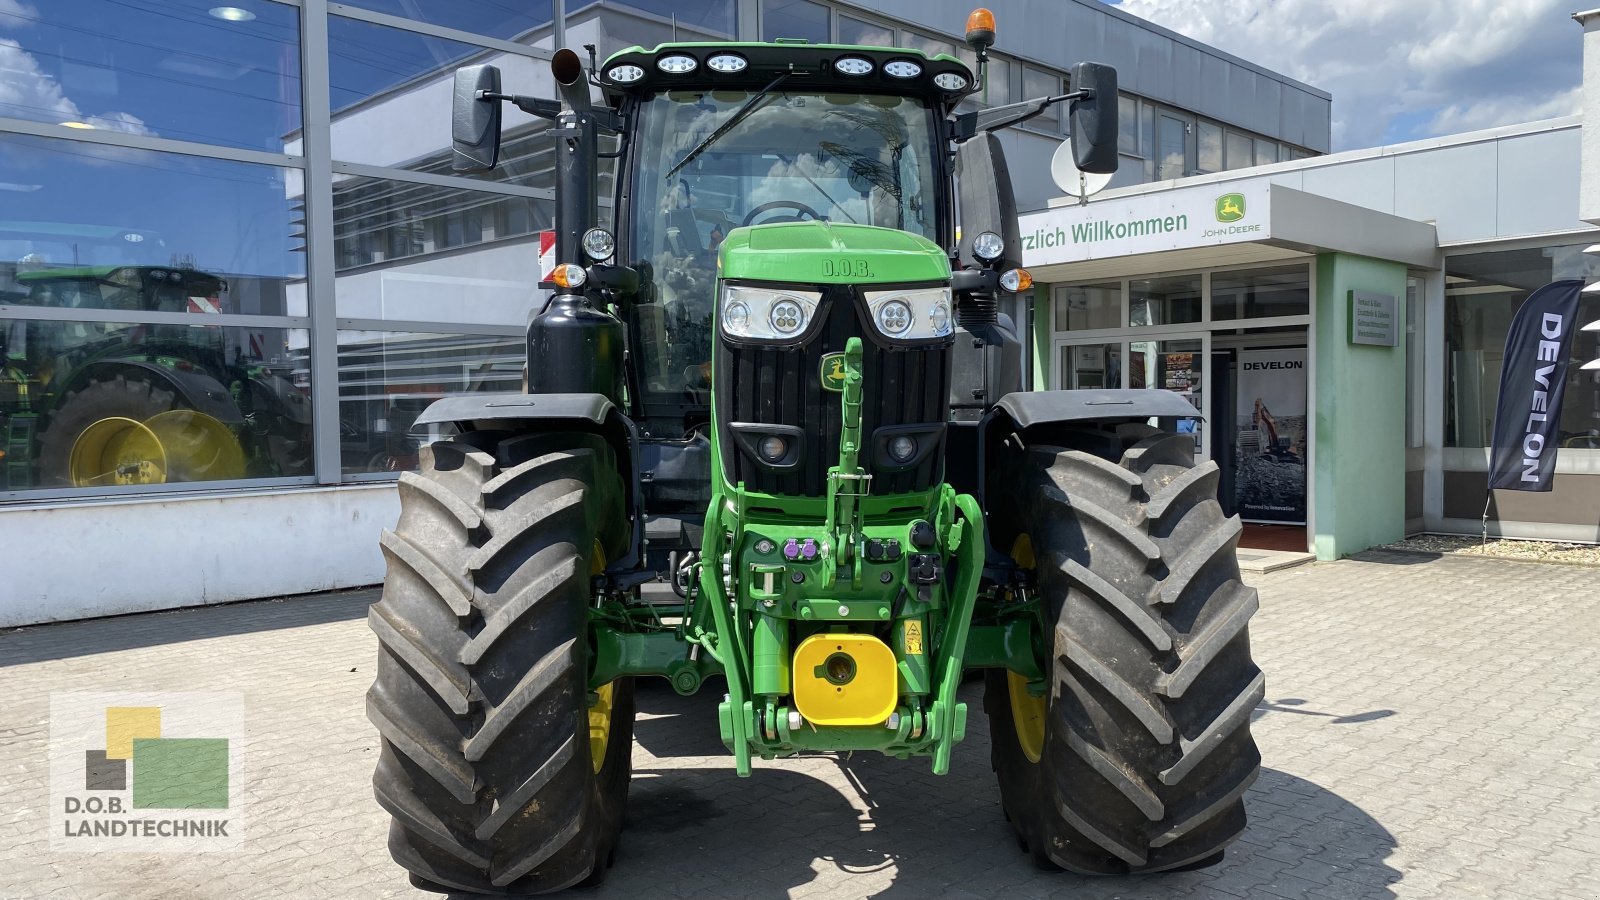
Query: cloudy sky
1400	70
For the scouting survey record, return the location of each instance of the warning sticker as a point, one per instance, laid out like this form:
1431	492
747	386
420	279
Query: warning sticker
913	634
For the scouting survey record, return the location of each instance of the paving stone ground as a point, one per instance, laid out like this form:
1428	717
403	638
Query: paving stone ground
1429	731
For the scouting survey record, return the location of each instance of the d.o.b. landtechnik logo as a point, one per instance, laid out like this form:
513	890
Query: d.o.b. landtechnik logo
145	772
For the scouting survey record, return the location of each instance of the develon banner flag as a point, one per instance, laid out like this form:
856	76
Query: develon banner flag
1533	380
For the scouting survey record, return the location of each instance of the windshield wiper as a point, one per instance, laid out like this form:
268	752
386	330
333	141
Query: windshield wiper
738	116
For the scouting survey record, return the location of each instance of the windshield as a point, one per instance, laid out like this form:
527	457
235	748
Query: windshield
866	159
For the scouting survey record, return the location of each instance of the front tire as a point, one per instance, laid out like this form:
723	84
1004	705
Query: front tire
481	695
1138	757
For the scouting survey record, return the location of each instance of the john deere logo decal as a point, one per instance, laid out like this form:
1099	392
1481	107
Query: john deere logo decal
1230	207
833	372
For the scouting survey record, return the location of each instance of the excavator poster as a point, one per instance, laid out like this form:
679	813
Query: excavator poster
1270	436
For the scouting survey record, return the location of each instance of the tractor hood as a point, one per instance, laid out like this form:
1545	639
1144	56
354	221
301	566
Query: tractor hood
824	253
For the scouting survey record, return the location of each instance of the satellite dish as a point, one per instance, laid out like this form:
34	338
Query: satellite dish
1076	182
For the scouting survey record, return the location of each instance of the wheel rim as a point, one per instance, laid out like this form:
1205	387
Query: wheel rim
116	450
1027	711
600	710
198	446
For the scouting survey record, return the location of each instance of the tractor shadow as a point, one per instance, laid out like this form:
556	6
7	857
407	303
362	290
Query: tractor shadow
111	634
870	826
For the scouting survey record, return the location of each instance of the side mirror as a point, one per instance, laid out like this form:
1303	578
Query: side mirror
1094	120
983	186
475	122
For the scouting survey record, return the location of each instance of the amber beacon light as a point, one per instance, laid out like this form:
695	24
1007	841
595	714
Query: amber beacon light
980	29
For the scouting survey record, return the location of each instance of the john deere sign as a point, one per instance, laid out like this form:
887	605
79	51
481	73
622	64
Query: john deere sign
1230	207
1147	223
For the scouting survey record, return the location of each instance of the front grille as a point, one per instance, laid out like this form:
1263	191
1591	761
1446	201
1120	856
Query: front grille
782	386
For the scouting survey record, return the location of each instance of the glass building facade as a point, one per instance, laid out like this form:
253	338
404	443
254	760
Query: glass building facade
233	230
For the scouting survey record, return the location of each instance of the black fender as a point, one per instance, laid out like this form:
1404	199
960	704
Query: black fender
279	395
592	413
201	391
1029	409
1067	417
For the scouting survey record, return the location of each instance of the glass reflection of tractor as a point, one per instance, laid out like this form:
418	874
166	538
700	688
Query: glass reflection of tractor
806	466
95	402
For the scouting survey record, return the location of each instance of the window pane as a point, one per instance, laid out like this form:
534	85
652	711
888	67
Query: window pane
1084	306
429	253
1173	150
391	93
108	404
708	17
794	19
1258	293
170	69
495	18
1266	152
1209	139
868	34
1241	151
1177	366
1127	124
1482	293
386	380
1085	366
998	89
89	226
1164	301
930	45
1044	84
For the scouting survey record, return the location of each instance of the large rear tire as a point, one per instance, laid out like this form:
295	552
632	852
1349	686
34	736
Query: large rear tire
131	398
500	772
1138	757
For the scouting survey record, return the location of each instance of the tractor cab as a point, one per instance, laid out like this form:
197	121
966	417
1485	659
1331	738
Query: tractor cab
728	136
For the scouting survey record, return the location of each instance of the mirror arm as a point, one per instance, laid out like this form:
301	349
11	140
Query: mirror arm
970	125
533	106
551	109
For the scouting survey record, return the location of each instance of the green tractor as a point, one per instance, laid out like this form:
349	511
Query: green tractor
96	403
775	431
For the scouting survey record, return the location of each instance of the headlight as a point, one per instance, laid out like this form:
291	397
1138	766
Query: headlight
853	65
626	74
988	246
727	63
950	81
773	448
766	315
599	244
677	64
894	317
902	68
911	315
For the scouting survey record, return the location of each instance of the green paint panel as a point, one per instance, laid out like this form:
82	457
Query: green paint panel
824	253
1043	312
180	773
1359	479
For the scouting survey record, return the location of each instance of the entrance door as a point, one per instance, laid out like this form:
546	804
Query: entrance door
1263	448
1176	363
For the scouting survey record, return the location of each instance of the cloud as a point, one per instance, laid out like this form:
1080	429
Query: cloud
1399	71
16	14
27	92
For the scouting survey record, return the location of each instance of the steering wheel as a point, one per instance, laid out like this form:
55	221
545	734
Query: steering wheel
799	207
